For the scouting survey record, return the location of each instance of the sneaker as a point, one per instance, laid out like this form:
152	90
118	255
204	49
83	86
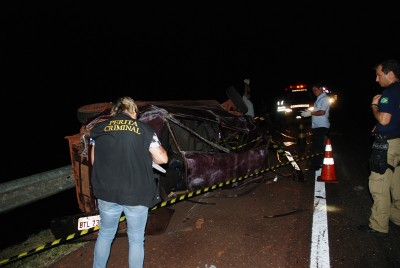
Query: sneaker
367	229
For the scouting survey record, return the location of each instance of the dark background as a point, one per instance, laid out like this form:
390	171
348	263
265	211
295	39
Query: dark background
58	56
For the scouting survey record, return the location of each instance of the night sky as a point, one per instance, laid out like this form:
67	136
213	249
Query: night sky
57	57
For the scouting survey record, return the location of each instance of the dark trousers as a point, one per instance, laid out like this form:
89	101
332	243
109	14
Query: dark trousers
318	139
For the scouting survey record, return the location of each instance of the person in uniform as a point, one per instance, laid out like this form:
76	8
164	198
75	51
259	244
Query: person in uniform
123	151
320	124
384	161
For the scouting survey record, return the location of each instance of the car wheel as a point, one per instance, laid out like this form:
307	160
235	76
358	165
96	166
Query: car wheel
86	112
234	95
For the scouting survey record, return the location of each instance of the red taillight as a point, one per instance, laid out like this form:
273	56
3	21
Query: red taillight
297	87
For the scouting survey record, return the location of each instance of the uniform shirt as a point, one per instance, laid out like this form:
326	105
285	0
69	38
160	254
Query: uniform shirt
122	169
321	103
390	103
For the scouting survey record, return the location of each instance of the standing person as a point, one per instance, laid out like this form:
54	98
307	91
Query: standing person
384	180
122	178
246	98
320	124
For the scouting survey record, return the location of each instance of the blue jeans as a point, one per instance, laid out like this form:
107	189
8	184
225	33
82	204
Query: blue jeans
136	218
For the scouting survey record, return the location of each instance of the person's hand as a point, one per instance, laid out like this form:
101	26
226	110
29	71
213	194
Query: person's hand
305	113
376	98
246	81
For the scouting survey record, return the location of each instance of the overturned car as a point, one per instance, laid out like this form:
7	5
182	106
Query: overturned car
206	146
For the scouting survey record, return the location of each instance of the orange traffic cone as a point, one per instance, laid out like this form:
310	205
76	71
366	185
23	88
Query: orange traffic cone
328	173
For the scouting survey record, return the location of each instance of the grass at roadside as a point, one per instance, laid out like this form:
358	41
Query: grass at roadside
41	259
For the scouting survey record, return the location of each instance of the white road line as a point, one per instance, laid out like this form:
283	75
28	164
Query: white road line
319	257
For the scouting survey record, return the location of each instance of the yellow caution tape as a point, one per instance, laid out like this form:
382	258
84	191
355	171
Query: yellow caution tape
178	199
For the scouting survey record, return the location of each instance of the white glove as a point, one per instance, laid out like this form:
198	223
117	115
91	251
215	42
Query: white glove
305	113
246	81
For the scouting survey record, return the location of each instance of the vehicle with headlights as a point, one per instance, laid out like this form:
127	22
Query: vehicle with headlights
295	99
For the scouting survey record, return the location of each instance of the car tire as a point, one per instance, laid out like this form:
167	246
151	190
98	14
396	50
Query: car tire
84	113
234	95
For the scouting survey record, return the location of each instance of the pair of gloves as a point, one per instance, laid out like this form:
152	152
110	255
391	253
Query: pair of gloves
305	113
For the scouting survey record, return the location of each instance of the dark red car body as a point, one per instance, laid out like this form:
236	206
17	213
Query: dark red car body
206	146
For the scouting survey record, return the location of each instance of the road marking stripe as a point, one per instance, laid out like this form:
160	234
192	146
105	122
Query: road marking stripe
319	257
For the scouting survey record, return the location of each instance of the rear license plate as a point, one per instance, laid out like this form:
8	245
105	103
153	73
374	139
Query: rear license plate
88	222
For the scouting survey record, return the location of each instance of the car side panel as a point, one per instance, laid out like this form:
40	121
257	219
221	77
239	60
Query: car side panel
208	169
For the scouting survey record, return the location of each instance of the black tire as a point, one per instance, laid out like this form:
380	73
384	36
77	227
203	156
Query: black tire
89	111
234	95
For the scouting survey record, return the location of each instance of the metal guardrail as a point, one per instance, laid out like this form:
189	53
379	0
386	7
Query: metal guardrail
17	193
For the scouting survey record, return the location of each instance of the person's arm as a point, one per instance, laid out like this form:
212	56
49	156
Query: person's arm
92	154
322	107
91	151
159	155
158	152
307	113
318	113
381	117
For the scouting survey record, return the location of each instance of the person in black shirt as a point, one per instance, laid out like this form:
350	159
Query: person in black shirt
123	151
384	162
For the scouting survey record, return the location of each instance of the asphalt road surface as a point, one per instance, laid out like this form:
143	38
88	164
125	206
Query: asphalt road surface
275	220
